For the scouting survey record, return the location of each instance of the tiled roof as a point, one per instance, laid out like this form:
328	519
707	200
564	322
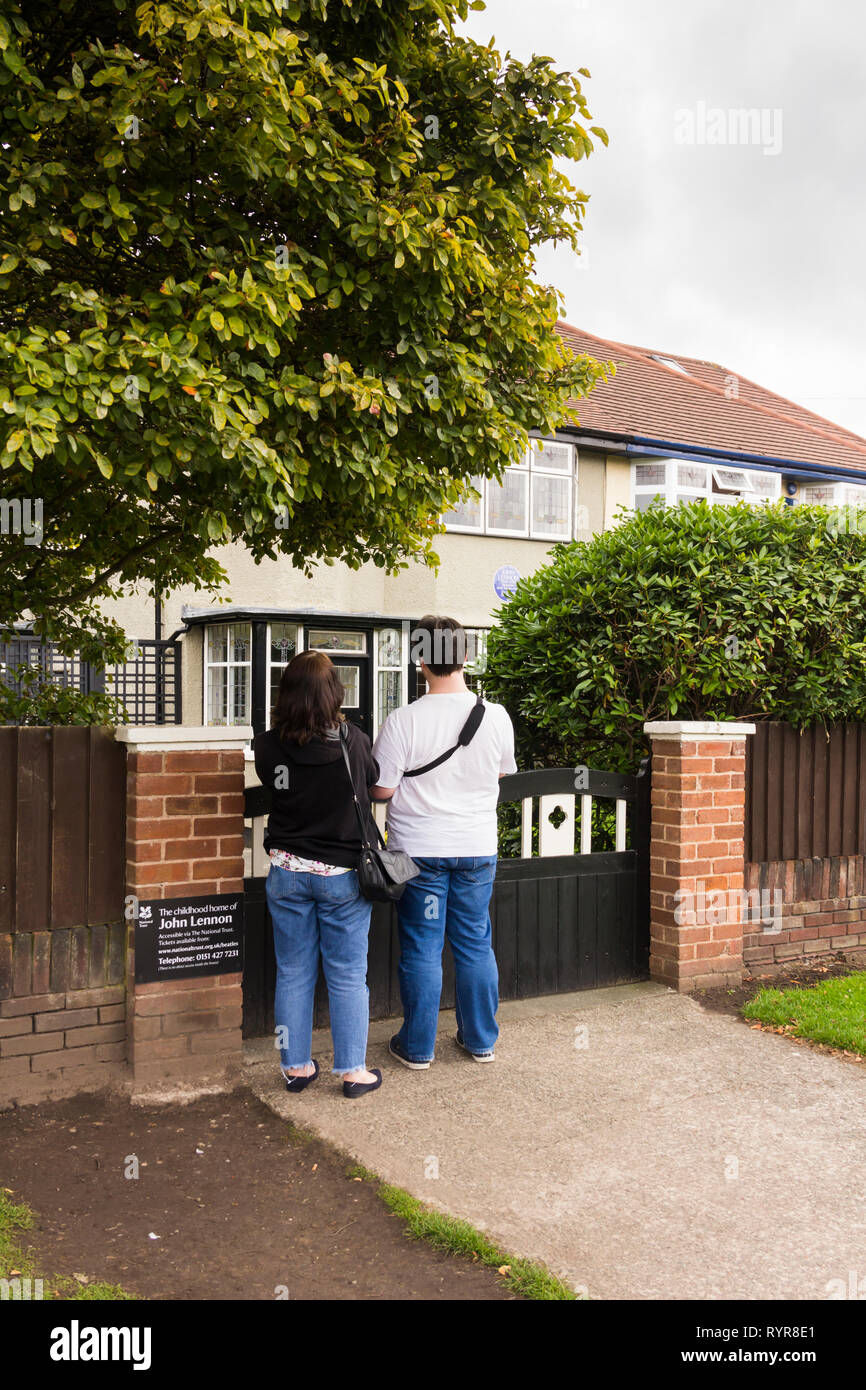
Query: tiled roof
706	406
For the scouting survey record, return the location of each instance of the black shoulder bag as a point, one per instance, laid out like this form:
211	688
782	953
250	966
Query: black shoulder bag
382	873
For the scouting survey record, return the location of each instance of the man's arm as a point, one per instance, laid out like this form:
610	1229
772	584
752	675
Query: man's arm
382	793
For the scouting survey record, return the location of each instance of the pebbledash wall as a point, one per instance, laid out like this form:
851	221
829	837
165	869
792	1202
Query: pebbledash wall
72	1017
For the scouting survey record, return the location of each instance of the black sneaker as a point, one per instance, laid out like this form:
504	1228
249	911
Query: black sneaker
396	1051
476	1056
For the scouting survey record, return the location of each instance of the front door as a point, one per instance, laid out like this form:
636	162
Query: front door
350	653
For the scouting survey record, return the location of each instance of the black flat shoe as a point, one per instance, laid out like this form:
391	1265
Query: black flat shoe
353	1089
300	1083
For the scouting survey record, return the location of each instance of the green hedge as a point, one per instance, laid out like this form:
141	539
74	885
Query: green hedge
689	612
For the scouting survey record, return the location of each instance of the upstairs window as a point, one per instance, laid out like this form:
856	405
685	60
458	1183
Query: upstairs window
535	498
669	481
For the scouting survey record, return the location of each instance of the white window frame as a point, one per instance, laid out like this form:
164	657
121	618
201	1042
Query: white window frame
532	464
840	495
672	492
403	629
521	472
231	666
270	665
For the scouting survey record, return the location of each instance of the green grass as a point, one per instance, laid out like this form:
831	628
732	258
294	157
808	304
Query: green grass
527	1278
16	1260
833	1012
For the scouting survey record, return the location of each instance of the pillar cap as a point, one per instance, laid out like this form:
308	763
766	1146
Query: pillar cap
183	738
684	728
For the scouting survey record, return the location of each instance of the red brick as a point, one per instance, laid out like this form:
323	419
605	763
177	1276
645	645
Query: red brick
192	848
86	998
149	1005
197	1021
145	762
13	1027
112	1013
232	804
29	1043
211	869
212	783
65	1018
31	1004
191	805
190	761
168	828
215	825
102	1033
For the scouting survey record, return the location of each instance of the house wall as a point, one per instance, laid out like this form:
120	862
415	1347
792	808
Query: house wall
462	586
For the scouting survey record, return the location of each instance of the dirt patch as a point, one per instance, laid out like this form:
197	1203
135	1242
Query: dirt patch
241	1202
731	1000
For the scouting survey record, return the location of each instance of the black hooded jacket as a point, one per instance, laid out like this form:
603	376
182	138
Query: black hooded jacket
312	812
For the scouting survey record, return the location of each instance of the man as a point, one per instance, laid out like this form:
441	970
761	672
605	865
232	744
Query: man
446	819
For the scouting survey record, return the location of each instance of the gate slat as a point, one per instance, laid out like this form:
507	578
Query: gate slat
33	864
548	909
8	835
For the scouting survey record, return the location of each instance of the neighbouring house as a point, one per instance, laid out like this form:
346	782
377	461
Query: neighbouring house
663	426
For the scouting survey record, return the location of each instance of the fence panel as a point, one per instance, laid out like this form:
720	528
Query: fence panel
62	828
805	792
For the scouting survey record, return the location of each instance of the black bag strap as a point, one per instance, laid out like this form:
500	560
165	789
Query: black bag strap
466	735
365	841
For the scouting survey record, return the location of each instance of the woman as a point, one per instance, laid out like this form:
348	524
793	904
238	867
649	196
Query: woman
312	887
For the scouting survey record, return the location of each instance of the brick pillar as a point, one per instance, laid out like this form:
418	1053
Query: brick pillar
697	853
184	835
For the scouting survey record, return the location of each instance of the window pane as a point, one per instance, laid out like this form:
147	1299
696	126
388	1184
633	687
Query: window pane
644	500
692	475
217	695
551	506
240	695
389	694
284	642
240	642
825	495
351	680
731	480
855	496
766	484
467	513
649	474
389	647
323	640
506	502
217	642
551	456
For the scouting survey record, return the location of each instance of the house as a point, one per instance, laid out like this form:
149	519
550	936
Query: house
664	425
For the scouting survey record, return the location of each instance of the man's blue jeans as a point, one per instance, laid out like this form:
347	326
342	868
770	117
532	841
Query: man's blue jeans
317	914
449	898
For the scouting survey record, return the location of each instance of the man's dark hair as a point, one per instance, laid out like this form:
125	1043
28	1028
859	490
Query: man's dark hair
440	643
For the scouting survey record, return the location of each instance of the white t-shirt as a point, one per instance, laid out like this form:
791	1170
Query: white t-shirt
450	811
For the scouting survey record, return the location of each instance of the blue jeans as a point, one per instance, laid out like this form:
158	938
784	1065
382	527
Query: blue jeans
449	898
317	914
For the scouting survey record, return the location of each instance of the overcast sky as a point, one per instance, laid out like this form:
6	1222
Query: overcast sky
718	250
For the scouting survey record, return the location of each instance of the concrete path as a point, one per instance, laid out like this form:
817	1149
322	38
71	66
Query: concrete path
671	1154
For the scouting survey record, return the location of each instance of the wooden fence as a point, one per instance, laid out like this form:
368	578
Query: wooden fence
62	828
805	792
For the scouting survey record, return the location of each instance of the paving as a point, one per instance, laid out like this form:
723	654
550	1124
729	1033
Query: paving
640	1146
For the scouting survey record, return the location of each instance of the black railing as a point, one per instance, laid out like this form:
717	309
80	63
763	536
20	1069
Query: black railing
148	683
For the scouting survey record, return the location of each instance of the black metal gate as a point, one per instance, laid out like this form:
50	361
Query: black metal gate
561	922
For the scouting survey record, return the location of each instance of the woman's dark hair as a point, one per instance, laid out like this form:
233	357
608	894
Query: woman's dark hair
309	698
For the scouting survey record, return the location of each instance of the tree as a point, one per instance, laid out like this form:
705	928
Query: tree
689	612
266	274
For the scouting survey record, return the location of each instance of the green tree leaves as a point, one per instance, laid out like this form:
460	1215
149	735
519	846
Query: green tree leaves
237	206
